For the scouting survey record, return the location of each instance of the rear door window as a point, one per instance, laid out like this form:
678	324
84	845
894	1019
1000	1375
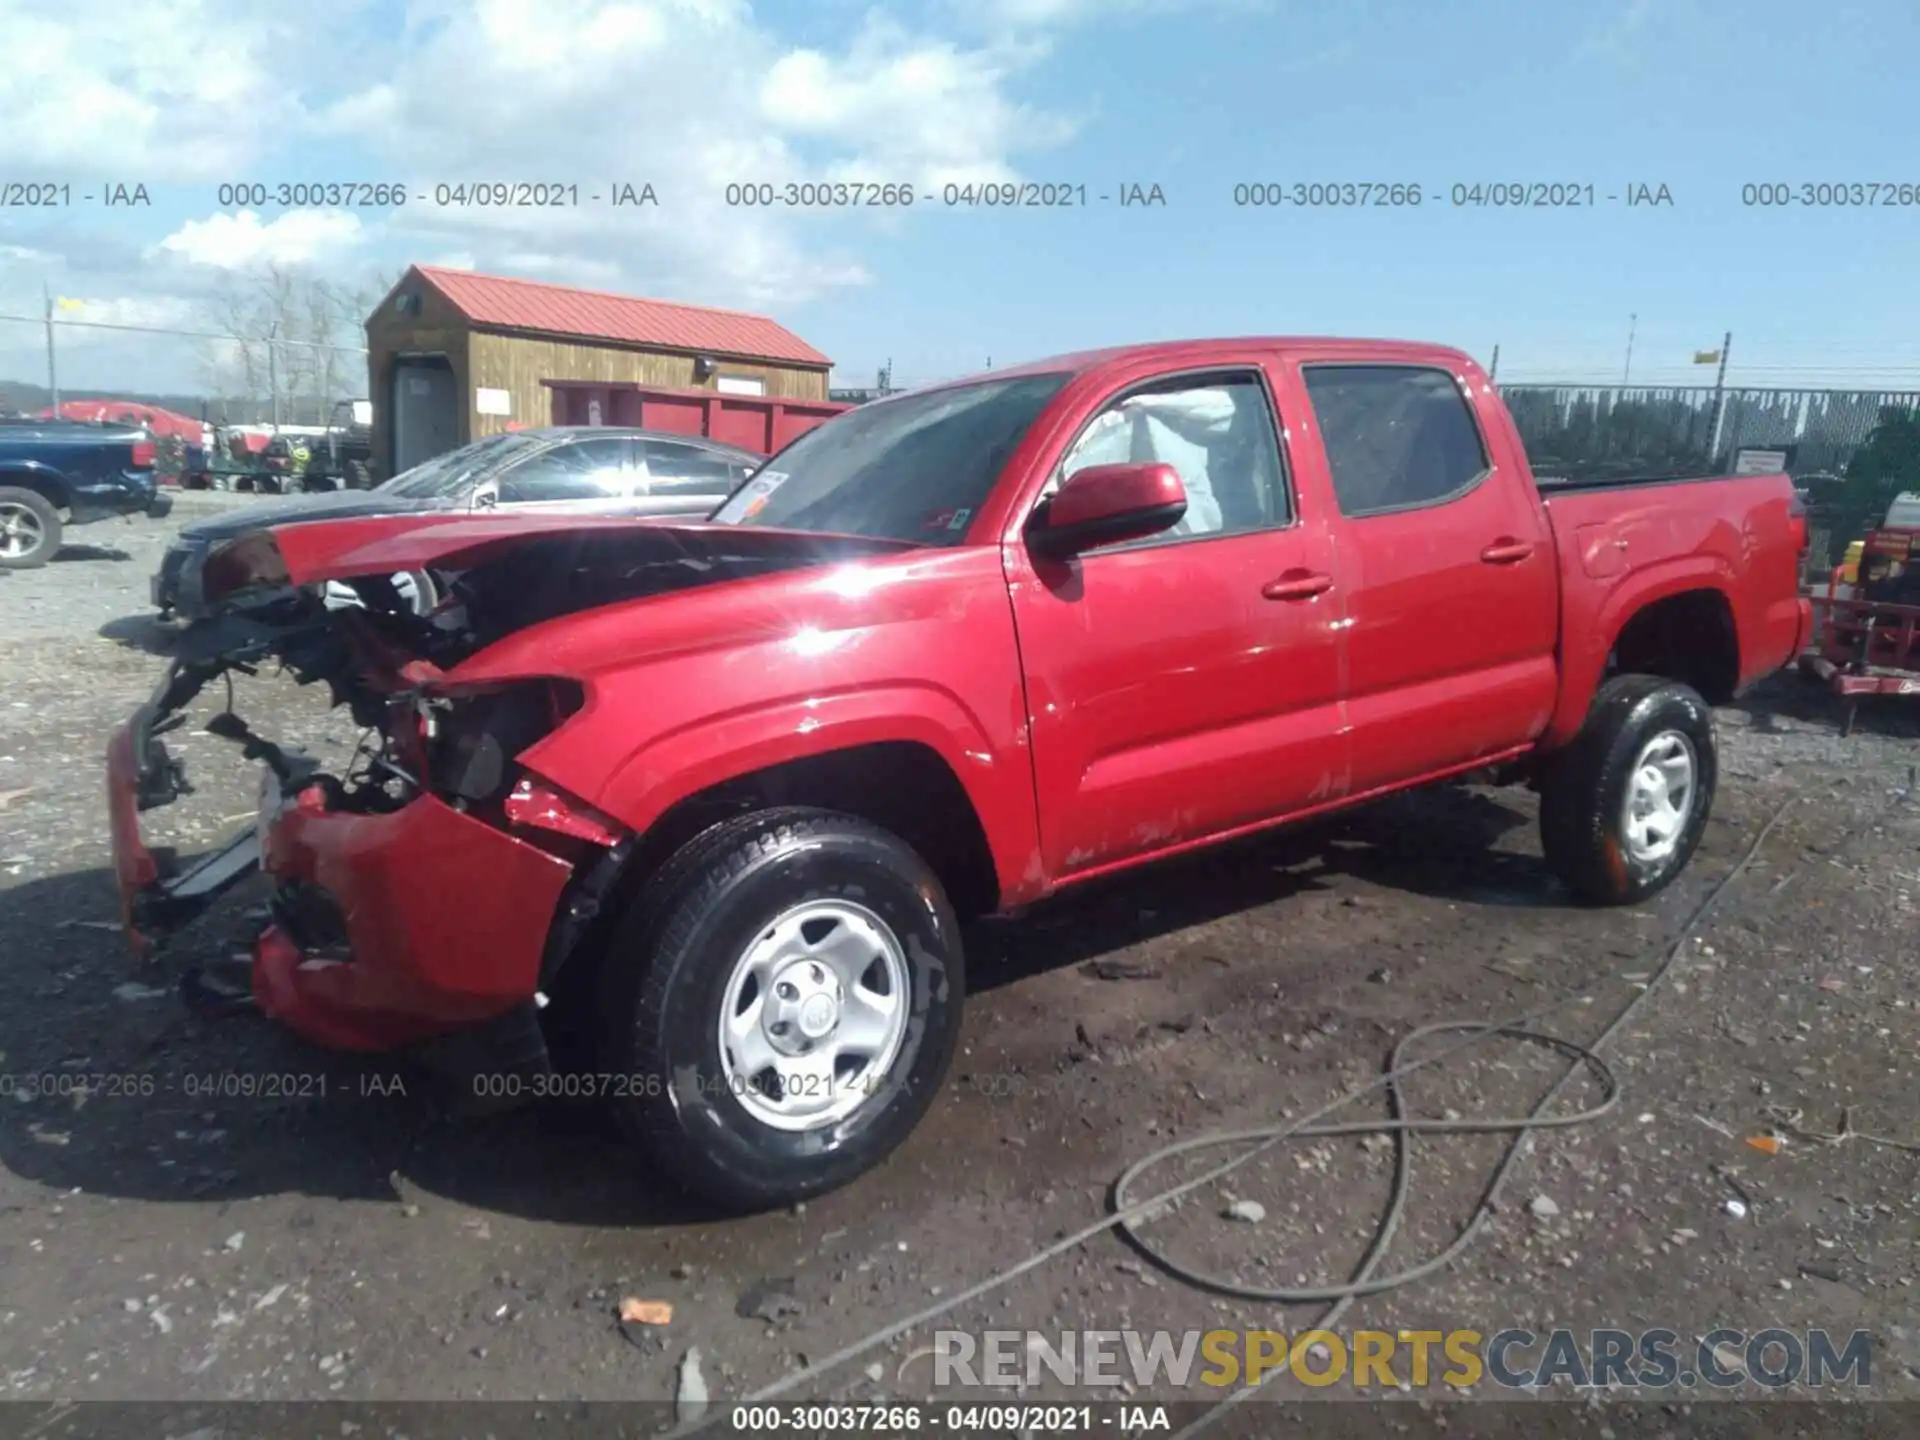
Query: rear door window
1397	437
674	468
598	469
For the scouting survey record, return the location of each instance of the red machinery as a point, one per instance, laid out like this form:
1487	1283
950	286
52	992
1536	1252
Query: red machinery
1869	637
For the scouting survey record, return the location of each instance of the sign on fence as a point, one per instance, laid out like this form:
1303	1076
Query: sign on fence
1759	462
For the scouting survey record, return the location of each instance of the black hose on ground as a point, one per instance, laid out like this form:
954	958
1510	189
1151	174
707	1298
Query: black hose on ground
1128	1214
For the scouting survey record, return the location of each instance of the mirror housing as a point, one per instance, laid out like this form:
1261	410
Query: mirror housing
1105	504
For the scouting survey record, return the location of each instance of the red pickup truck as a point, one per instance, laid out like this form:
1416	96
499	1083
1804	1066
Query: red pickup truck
735	784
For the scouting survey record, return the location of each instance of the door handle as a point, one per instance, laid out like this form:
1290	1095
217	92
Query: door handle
1297	585
1507	552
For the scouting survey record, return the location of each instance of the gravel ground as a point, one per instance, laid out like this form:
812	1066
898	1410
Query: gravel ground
162	1240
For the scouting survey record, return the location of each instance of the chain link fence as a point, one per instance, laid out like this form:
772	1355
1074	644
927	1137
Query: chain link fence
1850	451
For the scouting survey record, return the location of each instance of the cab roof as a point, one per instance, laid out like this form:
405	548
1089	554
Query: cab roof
1177	353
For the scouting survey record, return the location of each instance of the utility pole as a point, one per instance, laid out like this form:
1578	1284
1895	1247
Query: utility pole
1494	369
53	378
1626	371
1720	395
273	374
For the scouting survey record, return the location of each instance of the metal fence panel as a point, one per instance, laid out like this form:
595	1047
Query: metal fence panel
1602	431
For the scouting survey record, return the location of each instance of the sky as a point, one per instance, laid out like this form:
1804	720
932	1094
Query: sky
1200	98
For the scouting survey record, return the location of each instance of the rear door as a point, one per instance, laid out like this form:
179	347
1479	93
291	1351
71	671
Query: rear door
1186	685
575	476
1452	600
680	479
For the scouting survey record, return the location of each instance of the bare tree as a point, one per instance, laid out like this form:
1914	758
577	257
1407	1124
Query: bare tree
291	340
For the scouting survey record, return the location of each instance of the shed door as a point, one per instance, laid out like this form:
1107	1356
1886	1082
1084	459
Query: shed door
426	410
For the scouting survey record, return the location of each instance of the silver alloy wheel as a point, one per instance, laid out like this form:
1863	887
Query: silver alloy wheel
813	1015
21	532
1660	792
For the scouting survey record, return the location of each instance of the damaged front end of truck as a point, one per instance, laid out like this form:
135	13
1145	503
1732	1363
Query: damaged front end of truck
435	885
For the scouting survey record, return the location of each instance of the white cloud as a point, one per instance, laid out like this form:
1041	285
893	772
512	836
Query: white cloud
1021	15
242	241
685	95
140	90
900	107
534	265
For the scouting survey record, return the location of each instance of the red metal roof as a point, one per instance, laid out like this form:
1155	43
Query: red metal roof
495	300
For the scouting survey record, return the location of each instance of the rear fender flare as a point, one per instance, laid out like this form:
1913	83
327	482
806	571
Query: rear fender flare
684	762
1582	669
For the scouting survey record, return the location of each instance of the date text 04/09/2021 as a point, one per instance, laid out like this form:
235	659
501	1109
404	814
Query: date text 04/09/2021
1461	195
574	1085
458	195
986	195
908	1418
83	1086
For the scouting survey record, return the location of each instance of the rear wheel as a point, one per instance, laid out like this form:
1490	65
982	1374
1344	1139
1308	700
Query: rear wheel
1623	808
781	1006
29	529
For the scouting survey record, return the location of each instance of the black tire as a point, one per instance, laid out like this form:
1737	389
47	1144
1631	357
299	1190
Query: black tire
28	521
663	987
1583	794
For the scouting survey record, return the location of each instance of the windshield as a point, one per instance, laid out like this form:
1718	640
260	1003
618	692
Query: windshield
445	476
913	468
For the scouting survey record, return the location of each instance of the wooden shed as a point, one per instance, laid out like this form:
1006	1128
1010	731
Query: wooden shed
453	356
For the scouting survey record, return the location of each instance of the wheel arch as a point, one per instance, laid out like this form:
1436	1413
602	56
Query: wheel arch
909	758
49	484
1679	606
1688	635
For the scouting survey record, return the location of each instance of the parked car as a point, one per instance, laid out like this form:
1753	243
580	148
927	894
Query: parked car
725	790
584	469
59	473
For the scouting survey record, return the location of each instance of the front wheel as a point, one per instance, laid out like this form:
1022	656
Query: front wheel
1622	809
781	1006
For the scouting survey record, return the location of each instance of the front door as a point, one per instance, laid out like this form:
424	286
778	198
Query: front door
1186	685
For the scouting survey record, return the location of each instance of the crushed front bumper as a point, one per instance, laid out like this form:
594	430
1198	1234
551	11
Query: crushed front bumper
390	928
394	928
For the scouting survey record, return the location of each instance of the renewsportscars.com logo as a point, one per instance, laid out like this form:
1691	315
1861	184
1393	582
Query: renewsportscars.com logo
1404	1359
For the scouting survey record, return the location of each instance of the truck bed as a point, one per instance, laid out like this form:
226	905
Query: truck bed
1572	484
1728	541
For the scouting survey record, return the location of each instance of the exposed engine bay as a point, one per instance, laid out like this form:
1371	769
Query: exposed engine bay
383	645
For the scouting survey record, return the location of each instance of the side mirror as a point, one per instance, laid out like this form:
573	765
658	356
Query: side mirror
1105	504
485	497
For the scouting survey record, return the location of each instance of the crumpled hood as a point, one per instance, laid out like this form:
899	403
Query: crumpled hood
342	549
294	509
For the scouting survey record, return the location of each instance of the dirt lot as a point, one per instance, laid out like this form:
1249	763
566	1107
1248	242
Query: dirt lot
162	1239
